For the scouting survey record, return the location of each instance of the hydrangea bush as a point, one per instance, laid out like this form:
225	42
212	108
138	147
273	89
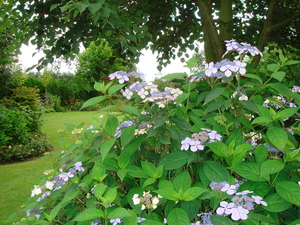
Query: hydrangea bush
220	149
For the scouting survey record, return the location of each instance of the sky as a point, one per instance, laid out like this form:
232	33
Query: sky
147	64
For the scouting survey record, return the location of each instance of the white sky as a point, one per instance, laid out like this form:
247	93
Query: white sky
146	65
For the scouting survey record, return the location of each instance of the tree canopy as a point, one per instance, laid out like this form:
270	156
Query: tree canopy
58	26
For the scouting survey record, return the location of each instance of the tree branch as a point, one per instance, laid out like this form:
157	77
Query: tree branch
285	21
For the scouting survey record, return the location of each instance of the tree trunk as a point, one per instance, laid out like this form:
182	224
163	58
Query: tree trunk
213	45
266	31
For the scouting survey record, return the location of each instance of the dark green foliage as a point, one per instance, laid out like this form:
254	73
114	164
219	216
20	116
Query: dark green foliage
98	61
27	96
35	145
34	82
164	25
13	127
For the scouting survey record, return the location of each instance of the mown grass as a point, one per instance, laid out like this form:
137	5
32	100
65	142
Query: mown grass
18	179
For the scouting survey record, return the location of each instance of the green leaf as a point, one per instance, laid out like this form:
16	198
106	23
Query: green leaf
192	193
148	168
94	7
99	190
215	172
213	94
295	222
273	67
132	220
118	213
109	196
253	76
221	220
214	106
131	109
135	171
181	123
124	159
249	170
182	181
261	153
271	166
55	211
278	137
113	89
89	214
181	98
191	62
279	75
100	87
276	203
148	182
260	217
54	6
261	120
127	135
152	222
168	193
178	216
289	191
174	160
71	194
174	75
282	89
122	173
111	124
249	105
106	147
219	148
286	113
292	62
93	101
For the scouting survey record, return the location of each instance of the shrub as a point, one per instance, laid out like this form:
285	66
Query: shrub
217	150
13	127
35	146
27	96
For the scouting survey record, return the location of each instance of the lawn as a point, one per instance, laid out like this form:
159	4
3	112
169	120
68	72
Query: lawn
17	179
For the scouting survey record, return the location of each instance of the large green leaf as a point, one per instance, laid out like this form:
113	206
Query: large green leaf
93	101
178	216
174	75
278	75
89	214
215	172
182	181
249	170
192	193
286	113
174	160
276	203
135	171
118	213
271	166
289	191
278	137
213	94
106	147
113	89
213	106
127	135
168	193
131	109
111	124
219	148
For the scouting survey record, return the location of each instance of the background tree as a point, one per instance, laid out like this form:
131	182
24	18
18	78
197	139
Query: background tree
98	61
164	25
